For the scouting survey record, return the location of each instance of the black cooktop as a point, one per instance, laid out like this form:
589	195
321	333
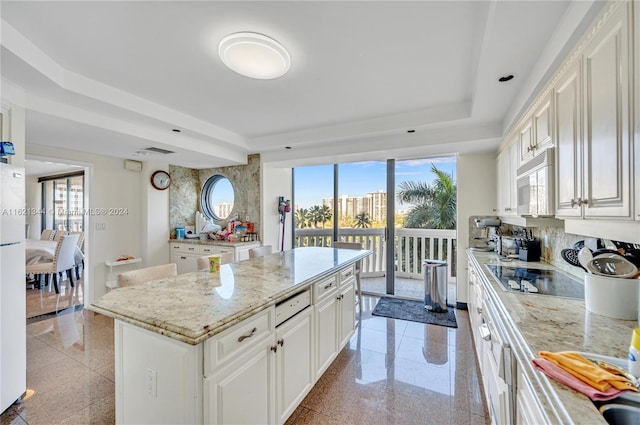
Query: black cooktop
537	281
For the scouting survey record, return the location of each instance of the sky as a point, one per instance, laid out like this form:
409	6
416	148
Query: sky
357	179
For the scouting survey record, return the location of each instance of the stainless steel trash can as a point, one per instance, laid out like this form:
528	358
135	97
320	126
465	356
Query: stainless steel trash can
435	285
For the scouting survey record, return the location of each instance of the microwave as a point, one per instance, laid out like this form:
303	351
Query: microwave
535	181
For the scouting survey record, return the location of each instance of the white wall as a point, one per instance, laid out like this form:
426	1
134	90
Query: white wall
139	231
33	203
275	182
476	183
155	217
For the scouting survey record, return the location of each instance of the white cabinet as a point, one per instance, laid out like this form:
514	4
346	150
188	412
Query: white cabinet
525	140
347	312
592	126
243	392
567	103
334	316
507	185
606	150
528	410
257	374
326	318
536	134
185	254
294	363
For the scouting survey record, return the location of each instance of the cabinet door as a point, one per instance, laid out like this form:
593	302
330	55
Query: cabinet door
525	139
295	369
242	393
512	180
567	101
347	314
606	148
326	333
543	126
186	262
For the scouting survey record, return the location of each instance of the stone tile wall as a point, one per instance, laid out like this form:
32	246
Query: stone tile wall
186	185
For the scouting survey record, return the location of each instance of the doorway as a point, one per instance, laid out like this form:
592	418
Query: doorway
56	198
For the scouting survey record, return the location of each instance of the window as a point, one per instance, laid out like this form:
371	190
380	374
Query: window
217	197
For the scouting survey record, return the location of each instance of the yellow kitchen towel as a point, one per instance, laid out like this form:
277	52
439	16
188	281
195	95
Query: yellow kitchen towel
587	372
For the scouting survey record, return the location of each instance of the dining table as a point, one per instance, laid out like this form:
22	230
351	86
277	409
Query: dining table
42	251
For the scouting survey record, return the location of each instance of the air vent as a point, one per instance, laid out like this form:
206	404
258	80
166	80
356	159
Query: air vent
158	150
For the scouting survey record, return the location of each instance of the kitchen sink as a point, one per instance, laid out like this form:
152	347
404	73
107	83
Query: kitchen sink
624	409
620	414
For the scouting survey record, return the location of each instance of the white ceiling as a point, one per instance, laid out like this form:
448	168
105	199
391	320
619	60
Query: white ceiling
116	77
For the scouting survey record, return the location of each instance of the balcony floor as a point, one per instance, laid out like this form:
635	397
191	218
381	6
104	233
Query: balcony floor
405	288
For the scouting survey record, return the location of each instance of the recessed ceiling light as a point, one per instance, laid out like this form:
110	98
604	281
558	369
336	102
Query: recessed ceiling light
411	131
176	130
287	147
254	55
506	78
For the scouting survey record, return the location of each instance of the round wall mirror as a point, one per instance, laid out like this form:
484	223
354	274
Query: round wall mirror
217	197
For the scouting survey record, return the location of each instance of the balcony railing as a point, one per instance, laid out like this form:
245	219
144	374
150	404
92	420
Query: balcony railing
411	246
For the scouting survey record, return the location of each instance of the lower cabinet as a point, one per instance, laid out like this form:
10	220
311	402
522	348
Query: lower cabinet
528	412
243	392
326	315
347	312
294	363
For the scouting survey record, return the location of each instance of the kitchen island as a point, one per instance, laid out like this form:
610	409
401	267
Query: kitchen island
531	323
242	345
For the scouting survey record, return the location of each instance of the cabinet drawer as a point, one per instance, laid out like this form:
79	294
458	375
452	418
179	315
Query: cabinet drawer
236	340
185	248
208	250
324	287
348	273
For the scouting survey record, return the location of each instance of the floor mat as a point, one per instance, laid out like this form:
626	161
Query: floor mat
414	311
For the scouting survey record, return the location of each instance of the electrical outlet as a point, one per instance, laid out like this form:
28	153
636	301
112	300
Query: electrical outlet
152	382
101	226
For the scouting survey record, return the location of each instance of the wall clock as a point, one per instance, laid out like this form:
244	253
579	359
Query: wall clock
161	180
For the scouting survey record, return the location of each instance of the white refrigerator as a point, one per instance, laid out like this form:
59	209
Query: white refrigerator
13	332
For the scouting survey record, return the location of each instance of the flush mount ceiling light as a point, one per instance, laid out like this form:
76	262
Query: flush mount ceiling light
254	55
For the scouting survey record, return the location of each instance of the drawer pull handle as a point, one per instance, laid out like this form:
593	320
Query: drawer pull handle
274	348
252	333
485	332
328	285
281	342
348	274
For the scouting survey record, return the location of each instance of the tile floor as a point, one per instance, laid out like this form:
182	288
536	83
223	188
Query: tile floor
392	372
45	300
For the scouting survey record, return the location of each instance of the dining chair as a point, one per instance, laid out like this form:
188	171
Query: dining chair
47	235
146	274
79	254
63	261
353	245
225	258
260	251
59	234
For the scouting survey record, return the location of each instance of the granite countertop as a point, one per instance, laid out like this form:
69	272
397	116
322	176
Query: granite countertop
547	323
192	307
213	242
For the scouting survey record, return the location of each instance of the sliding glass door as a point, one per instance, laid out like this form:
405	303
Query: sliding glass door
402	210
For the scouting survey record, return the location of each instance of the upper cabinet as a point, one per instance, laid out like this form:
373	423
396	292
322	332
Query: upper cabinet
591	103
507	188
606	150
536	133
568	131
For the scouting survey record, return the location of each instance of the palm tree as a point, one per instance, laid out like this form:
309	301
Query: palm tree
302	218
315	213
434	206
362	221
325	214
